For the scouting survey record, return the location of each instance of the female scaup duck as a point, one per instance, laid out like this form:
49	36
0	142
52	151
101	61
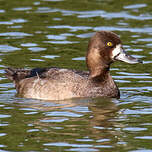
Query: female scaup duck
104	48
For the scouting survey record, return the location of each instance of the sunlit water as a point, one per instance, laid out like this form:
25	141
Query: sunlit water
55	33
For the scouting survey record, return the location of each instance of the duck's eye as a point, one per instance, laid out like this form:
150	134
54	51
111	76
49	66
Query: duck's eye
109	44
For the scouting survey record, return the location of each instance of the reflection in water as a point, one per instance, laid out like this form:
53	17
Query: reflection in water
71	117
47	33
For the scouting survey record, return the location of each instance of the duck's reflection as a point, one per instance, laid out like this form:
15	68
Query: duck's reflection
96	112
103	110
75	119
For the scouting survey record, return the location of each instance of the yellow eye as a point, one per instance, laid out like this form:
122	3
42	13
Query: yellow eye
109	44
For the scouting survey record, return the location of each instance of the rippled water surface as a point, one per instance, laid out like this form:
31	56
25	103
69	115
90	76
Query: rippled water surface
42	33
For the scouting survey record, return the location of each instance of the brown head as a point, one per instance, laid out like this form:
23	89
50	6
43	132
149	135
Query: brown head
104	48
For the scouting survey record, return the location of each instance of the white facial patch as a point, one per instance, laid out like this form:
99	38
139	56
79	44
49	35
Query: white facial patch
117	50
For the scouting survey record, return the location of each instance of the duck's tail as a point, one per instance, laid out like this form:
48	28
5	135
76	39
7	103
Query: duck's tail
16	74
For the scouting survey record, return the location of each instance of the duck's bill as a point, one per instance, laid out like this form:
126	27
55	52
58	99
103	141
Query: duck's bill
121	55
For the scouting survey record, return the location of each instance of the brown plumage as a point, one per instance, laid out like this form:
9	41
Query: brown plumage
58	84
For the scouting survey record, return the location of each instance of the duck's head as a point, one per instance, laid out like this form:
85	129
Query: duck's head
104	48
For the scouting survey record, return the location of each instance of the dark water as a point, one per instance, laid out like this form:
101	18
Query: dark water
42	33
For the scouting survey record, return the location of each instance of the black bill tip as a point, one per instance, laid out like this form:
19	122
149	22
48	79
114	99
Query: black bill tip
140	61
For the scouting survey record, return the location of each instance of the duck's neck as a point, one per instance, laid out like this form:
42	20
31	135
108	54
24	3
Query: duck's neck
100	76
99	73
98	69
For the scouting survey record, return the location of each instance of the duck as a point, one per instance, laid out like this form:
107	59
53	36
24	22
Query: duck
53	83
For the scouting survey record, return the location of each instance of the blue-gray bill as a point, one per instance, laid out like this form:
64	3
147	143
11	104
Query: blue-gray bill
123	56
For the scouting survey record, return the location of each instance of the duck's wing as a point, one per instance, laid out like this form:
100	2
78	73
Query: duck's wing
48	73
19	74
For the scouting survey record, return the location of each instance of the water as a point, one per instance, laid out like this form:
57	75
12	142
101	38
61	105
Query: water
46	33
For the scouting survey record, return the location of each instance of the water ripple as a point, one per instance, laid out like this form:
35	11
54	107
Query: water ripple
147	30
36	49
35	33
50	56
135	6
63	113
144	137
40	60
2	134
33	130
72	28
79	58
134	129
22	8
15	34
55	120
4	116
7	48
2	11
95	13
141	150
134	74
139	111
28	44
56	37
113	15
19	20
61	42
6	22
61	144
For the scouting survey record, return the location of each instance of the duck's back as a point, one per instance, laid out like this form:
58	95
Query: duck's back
49	83
58	84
